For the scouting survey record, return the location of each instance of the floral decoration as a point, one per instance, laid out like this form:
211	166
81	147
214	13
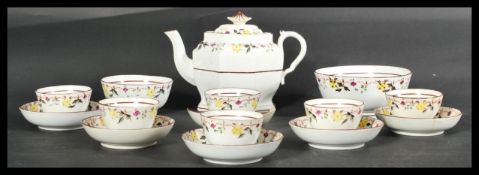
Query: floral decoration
340	84
336	115
153	91
421	105
65	101
127	114
235	47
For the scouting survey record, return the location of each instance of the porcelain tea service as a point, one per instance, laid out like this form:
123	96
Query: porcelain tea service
237	69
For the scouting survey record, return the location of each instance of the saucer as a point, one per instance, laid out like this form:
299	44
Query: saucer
56	121
445	119
267	143
336	139
127	138
195	115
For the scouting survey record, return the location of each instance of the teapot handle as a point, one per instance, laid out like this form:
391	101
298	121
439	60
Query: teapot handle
285	34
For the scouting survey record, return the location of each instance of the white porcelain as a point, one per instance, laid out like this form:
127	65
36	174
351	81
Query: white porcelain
127	138
236	55
416	103
196	117
445	119
232	127
64	98
232	99
365	83
141	86
56	121
129	113
266	144
328	113
336	139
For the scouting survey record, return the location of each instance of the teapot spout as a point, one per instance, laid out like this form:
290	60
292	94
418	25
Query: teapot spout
183	64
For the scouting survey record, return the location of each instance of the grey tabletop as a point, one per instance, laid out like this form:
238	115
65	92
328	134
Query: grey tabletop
434	43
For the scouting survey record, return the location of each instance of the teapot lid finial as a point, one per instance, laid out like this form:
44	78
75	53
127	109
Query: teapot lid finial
239	18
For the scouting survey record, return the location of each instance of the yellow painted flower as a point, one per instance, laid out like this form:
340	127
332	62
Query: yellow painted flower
150	92
67	102
363	123
389	102
105	90
386	112
333	84
194	136
245	32
218	103
152	112
236	47
100	122
113	113
337	116
421	106
35	107
254	103
237	130
382	86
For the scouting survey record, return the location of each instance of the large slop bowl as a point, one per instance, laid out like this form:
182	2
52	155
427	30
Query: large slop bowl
366	83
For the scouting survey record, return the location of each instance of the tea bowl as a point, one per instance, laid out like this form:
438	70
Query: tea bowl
196	117
141	86
336	139
56	121
267	142
64	98
129	113
232	127
329	113
415	103
127	138
232	99
445	119
365	83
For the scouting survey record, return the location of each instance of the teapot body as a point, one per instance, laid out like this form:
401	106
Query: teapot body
239	61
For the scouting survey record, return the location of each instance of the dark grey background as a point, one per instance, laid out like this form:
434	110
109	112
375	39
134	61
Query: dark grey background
435	43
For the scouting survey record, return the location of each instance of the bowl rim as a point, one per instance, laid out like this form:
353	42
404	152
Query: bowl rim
381	124
376	112
167	81
157	116
89	104
319	100
317	71
43	90
252	114
254	144
154	102
433	93
242	92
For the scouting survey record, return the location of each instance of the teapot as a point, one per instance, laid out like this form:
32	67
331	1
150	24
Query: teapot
237	55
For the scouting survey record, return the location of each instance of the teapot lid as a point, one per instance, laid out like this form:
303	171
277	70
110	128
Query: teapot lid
239	26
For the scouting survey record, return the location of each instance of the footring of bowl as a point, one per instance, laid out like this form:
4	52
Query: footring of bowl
120	146
47	128
232	162
336	147
409	133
